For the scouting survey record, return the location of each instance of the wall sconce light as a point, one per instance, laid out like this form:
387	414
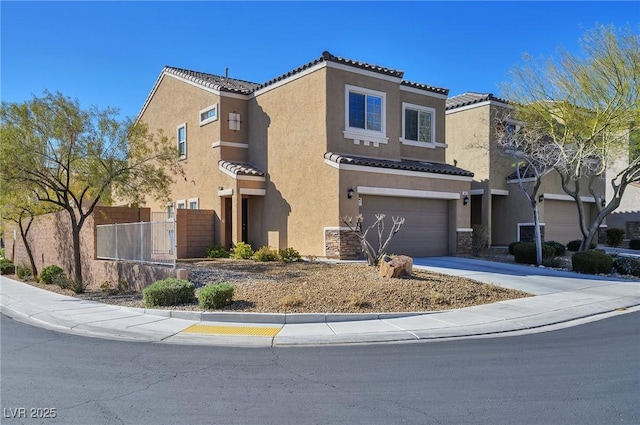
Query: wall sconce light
350	193
603	202
541	198
465	199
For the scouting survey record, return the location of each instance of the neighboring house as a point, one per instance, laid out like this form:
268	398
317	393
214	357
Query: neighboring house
282	162
627	215
496	199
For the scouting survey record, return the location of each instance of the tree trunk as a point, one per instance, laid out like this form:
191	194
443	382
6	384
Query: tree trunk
536	230
77	254
23	233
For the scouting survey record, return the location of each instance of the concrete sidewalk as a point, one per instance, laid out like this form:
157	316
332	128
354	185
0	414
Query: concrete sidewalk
560	297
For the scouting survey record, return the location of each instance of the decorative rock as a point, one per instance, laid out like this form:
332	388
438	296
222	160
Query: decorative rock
399	266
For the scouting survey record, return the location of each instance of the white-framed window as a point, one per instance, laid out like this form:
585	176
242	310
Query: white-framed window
182	140
418	125
170	211
365	114
209	114
193	203
181	205
234	121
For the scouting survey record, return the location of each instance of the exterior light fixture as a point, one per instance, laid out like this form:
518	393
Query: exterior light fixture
350	193
541	198
603	202
465	199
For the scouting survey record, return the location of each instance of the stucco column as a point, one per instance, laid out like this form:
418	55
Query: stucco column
236	231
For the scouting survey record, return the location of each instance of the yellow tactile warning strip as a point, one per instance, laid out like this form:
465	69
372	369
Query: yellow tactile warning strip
232	330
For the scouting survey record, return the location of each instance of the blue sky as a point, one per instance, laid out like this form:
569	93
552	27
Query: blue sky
110	53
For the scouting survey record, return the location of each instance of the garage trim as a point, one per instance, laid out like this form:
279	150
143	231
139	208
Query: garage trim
406	193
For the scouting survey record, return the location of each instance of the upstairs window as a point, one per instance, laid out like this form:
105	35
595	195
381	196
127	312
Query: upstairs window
366	109
182	141
209	114
418	127
365	115
193	203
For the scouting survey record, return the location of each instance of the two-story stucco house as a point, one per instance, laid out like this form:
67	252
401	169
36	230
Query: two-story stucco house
496	199
282	162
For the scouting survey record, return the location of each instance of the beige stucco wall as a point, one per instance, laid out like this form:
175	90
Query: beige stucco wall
173	103
288	138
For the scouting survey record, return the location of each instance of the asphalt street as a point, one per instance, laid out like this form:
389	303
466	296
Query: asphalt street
587	374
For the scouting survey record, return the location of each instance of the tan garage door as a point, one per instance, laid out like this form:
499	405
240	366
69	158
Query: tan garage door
561	221
425	231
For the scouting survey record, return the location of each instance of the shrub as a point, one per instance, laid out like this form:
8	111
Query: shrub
6	266
170	291
574	246
110	288
558	247
2	252
592	262
479	240
512	247
24	272
627	265
215	296
525	252
48	273
289	255
265	254
615	236
242	251
634	244
290	301
216	251
65	283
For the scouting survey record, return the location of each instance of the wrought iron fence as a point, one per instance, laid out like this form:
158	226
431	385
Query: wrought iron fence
148	242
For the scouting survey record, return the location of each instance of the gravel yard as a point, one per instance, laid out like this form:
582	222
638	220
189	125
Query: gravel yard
320	287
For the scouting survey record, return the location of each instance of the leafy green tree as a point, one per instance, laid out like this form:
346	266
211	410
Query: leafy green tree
74	158
588	106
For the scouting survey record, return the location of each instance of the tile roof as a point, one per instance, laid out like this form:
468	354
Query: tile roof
214	81
240	168
405	164
247	87
470	98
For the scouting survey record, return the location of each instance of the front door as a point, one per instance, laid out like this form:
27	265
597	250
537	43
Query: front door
245	216
228	222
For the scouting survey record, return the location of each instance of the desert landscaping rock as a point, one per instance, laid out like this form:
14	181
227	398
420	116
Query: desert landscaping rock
319	287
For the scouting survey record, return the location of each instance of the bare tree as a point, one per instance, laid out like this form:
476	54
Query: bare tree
534	155
374	256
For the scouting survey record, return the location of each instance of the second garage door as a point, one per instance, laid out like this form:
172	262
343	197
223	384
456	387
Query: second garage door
425	231
561	221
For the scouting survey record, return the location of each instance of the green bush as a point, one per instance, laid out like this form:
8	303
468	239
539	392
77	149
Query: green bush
48	273
574	246
216	251
6	266
242	251
265	254
592	262
512	247
2	252
558	247
289	255
525	252
627	265
634	244
170	291
615	236
212	297
24	272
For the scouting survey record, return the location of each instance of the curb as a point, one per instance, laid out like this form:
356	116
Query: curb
273	318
